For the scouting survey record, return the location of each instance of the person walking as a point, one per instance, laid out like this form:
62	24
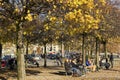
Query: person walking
111	59
59	59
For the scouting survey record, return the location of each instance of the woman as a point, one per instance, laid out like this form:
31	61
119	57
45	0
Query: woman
90	65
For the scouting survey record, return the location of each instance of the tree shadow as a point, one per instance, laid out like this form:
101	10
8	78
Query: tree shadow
61	73
54	67
32	72
114	70
2	78
6	74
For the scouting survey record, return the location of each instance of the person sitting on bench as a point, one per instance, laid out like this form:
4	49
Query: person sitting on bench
90	65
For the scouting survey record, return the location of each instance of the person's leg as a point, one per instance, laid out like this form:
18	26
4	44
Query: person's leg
111	64
57	62
94	67
60	60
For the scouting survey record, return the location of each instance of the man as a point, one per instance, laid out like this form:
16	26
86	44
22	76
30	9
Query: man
59	59
111	59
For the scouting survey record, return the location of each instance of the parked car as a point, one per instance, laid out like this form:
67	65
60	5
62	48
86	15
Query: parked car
6	57
36	56
51	56
32	60
3	63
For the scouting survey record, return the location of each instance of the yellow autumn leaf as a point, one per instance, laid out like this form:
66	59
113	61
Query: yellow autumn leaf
28	11
103	2
46	27
61	1
29	17
21	18
54	6
16	10
24	33
49	12
52	19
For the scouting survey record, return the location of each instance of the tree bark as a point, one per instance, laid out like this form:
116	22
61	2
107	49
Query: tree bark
0	54
105	48
27	44
62	49
97	54
45	56
83	49
20	54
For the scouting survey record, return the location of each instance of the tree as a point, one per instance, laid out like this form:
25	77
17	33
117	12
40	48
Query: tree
4	29
82	18
17	14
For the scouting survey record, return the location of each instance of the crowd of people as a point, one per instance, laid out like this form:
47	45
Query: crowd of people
74	65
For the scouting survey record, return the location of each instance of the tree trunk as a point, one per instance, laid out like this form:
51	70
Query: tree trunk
45	56
105	49
99	46
20	54
83	49
0	54
91	51
69	49
62	49
97	54
51	48
27	44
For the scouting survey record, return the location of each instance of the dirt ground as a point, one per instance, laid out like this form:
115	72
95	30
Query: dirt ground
58	73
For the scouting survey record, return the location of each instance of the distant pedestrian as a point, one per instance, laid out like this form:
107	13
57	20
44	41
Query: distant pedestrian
59	59
111	59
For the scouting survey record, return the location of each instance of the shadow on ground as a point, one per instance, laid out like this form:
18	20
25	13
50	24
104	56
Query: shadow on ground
61	73
115	70
2	78
32	72
54	67
5	74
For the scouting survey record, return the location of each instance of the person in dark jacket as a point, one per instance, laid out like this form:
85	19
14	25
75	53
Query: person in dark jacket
59	59
107	65
111	59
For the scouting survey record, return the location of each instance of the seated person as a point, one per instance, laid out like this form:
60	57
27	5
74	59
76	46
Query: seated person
90	65
107	65
71	68
68	66
75	68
